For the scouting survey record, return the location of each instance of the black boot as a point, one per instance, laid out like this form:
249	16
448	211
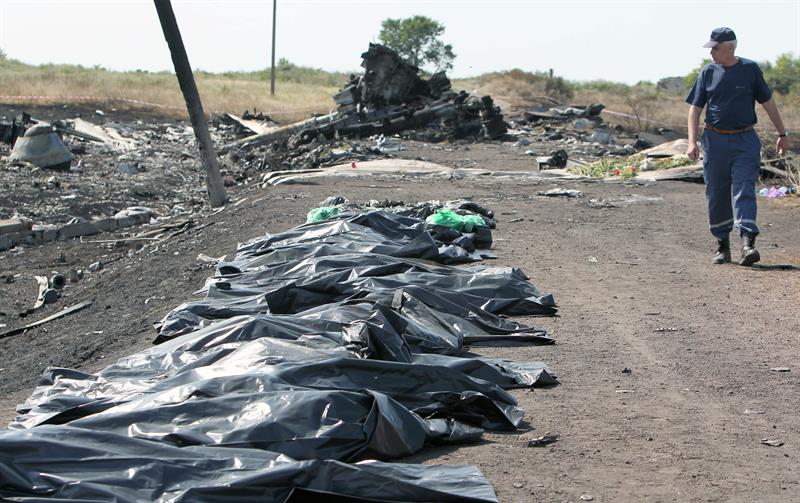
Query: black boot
749	253
723	253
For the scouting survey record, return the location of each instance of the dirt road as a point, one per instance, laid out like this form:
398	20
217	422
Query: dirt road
631	274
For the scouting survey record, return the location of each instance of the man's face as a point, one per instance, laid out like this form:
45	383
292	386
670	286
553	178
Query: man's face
722	53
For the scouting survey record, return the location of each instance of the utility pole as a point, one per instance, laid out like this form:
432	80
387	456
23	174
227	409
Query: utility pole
272	73
216	190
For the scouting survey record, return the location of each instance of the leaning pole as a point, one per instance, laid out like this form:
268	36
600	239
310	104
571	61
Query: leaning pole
216	190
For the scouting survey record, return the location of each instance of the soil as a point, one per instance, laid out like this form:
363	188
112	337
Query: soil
667	363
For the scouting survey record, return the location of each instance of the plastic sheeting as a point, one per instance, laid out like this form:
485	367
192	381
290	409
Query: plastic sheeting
366	257
375	232
315	351
450	218
72	464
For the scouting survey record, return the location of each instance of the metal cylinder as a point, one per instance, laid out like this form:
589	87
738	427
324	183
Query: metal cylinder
58	281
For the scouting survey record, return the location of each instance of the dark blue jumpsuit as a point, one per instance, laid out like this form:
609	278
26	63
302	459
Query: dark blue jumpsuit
731	159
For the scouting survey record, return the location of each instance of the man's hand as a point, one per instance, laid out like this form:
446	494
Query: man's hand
782	145
694	153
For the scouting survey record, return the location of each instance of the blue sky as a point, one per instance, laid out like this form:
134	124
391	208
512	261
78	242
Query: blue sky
623	41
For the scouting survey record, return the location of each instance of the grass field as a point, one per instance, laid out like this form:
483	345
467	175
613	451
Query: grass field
301	92
649	107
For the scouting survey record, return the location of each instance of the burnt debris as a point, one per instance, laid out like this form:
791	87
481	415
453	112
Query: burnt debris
391	97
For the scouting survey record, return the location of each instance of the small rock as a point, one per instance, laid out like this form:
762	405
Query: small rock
626	370
128	168
95	266
780	369
587	497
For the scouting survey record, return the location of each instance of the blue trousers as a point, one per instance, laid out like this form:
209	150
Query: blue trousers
730	168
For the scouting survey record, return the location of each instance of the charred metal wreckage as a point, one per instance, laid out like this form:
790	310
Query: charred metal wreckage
391	97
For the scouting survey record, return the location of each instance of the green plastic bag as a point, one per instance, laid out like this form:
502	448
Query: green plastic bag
462	223
322	213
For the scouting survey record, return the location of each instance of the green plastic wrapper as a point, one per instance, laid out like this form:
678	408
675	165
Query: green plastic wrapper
322	213
462	223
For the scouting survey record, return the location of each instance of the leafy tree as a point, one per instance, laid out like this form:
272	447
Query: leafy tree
784	75
691	78
557	86
416	39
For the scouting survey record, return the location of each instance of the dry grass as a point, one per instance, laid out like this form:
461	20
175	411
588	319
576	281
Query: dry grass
59	84
304	91
291	103
654	110
517	88
647	108
793	169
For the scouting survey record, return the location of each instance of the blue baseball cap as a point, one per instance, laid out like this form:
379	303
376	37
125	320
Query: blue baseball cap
720	35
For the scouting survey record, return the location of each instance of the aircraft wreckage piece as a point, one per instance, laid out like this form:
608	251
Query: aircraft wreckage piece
388	98
282	132
42	147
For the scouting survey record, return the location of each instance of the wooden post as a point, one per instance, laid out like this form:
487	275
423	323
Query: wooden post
216	190
272	72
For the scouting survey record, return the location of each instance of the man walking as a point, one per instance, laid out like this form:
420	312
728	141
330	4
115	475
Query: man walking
729	88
